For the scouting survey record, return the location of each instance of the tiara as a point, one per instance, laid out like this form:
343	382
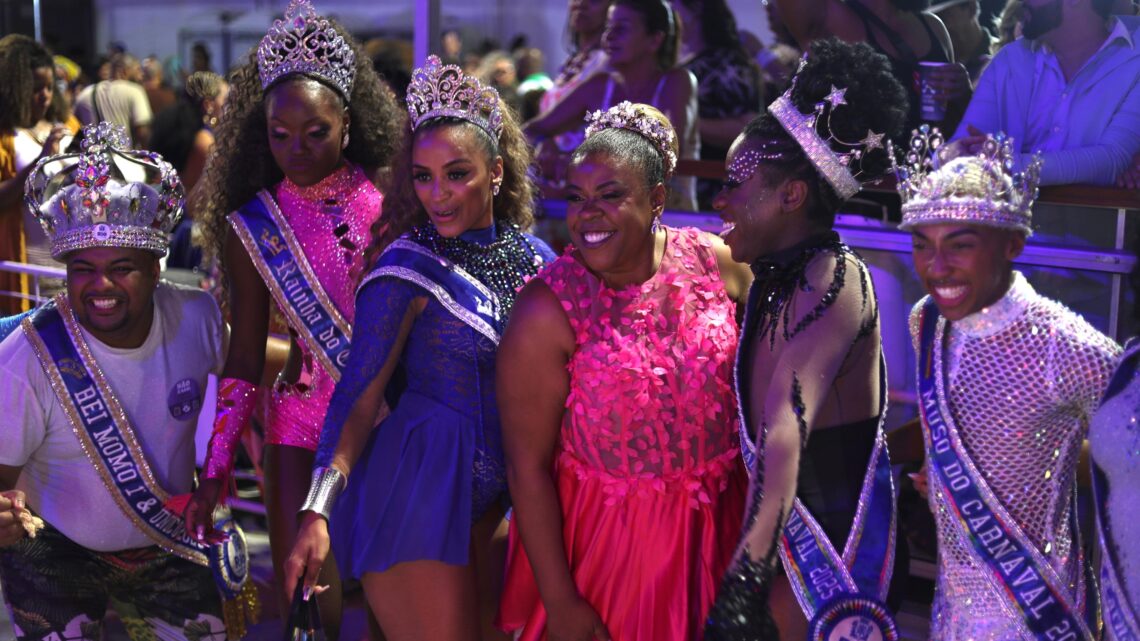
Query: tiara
304	42
626	115
444	91
834	166
981	189
107	195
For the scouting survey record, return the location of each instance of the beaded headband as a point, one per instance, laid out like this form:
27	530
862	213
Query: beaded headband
626	115
108	195
834	166
982	189
304	42
444	91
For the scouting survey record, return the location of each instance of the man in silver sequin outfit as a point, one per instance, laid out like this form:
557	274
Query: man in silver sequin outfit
1018	376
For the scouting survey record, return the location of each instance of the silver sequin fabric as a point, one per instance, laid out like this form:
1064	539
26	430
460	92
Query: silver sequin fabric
1024	377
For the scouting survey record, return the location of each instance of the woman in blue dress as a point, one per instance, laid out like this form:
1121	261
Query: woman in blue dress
416	515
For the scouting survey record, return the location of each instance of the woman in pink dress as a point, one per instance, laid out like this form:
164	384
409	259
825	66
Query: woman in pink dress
618	415
290	199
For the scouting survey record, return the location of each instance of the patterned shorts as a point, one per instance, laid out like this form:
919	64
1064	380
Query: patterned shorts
58	590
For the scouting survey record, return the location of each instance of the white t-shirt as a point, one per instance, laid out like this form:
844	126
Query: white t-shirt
160	385
120	101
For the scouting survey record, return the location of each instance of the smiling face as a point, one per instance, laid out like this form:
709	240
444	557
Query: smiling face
453	177
306	126
111	290
964	268
626	38
609	213
751	203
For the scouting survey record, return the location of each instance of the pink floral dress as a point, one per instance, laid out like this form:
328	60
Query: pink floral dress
648	473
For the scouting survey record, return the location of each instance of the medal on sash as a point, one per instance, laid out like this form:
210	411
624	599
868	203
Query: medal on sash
1120	617
110	443
279	258
454	288
1018	571
841	595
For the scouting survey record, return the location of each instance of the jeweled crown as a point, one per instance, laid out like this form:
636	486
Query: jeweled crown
626	115
444	91
839	167
107	195
981	189
305	42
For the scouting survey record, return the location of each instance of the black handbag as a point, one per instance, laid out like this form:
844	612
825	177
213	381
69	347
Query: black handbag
304	623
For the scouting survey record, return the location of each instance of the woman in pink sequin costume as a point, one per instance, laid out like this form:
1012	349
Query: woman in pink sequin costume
618	416
289	202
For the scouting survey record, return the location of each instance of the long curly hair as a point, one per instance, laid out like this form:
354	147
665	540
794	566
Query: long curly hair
19	57
875	101
403	209
241	164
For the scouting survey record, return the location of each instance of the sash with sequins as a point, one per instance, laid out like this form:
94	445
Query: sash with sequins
460	293
1120	616
110	443
1018	571
828	586
281	261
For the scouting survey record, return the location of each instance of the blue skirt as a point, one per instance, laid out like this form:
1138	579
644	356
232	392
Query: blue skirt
410	495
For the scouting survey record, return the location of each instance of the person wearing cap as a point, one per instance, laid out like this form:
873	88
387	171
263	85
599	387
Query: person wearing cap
972	42
101	395
1007	380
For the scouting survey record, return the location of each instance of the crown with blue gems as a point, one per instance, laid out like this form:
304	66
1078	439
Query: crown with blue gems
981	189
838	167
628	116
107	195
444	91
304	42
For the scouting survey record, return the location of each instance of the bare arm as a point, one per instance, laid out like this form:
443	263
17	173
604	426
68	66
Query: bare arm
566	114
679	104
720	132
12	190
810	20
196	160
737	277
533	385
249	313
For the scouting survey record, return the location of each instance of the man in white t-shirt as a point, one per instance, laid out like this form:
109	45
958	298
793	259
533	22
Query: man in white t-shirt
144	345
122	100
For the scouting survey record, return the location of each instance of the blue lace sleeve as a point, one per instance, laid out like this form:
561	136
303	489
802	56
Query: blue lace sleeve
380	308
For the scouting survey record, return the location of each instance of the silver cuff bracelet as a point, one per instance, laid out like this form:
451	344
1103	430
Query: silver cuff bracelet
326	485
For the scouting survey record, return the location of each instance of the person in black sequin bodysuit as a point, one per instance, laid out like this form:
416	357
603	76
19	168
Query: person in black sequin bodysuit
808	368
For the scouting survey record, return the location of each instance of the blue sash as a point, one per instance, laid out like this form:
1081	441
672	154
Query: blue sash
1120	617
1018	571
109	441
281	261
455	289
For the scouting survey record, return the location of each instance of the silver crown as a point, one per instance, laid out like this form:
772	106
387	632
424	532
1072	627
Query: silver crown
981	189
444	91
108	195
836	167
304	42
625	115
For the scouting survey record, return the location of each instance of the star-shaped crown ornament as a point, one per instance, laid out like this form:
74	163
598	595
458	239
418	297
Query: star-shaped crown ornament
979	189
626	115
837	160
444	91
304	42
107	195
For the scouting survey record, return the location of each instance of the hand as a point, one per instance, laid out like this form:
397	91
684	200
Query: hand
950	83
12	519
967	146
51	143
308	555
199	513
1130	177
574	620
921	483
